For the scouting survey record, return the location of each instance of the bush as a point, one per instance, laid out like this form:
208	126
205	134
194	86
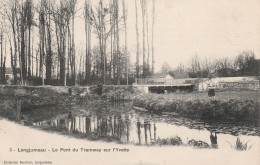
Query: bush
169	141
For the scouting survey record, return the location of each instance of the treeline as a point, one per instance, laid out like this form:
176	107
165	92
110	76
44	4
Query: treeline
39	39
244	64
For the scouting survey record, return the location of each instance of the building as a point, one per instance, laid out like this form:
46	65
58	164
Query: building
231	83
160	83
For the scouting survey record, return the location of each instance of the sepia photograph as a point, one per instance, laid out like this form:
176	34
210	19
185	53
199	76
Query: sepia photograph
129	82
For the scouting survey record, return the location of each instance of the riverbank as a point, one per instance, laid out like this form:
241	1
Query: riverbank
13	99
228	106
16	136
235	106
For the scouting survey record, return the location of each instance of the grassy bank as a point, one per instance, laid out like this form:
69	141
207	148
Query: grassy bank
232	106
13	99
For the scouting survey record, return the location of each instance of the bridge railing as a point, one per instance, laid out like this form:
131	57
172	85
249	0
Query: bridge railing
145	81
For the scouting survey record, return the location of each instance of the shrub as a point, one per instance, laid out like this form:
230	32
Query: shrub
240	146
169	141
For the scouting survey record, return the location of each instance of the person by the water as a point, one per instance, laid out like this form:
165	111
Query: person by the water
99	89
213	140
211	89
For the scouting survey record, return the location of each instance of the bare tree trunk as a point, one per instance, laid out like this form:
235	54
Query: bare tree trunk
118	44
111	38
37	62
153	18
14	67
1	69
148	44
49	50
143	6
42	40
126	51
137	41
114	43
23	65
69	52
29	52
73	50
32	57
88	41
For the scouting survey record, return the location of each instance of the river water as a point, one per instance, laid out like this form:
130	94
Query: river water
124	124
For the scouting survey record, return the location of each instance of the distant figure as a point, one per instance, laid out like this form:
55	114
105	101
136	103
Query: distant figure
211	89
213	139
99	89
70	91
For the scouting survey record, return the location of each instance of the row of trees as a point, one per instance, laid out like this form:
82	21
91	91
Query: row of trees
39	39
245	64
148	62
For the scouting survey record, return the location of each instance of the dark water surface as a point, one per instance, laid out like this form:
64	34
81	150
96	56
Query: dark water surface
123	124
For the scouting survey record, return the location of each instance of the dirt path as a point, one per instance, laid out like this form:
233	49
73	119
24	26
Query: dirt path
16	136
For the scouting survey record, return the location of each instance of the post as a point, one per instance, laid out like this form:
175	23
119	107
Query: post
18	109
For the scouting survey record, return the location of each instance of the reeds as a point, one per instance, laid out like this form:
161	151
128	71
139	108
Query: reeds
240	146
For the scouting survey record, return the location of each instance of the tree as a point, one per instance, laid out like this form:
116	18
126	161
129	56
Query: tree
137	42
153	21
180	72
165	68
247	64
148	42
126	51
88	25
143	7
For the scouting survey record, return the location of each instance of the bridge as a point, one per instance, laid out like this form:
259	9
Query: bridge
166	88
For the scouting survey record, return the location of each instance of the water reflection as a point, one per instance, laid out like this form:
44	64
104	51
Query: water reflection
213	140
128	126
127	129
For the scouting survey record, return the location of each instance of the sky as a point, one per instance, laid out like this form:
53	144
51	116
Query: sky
183	28
208	28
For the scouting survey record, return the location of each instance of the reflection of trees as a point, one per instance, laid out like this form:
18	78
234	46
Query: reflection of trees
111	126
139	131
154	132
103	126
147	132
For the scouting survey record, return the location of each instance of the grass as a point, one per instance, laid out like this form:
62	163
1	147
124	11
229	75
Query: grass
221	95
233	105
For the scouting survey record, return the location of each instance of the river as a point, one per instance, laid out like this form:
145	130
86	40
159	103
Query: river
124	124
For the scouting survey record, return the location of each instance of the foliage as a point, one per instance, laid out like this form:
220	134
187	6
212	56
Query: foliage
240	146
236	109
226	72
244	64
198	144
169	141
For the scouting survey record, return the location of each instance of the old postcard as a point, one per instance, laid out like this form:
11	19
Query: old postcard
129	82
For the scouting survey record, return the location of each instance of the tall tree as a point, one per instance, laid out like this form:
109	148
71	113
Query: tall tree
126	51
29	14
153	21
143	6
137	41
88	22
148	43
